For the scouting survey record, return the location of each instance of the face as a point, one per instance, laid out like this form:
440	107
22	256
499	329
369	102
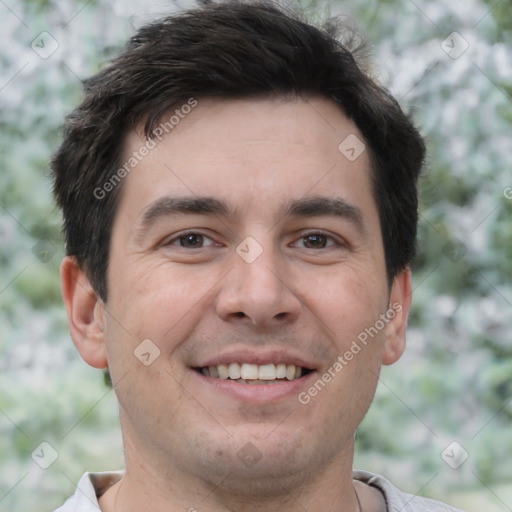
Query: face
246	237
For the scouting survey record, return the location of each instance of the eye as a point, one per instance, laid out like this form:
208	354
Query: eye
189	240
317	240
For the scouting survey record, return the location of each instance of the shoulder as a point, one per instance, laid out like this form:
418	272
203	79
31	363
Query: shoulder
397	500
88	489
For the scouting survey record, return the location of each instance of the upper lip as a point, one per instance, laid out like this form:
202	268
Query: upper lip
261	357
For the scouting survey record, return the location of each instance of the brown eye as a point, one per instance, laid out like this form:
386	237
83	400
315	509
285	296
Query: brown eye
315	241
189	240
192	240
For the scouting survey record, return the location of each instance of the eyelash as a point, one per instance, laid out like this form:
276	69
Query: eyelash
184	234
303	235
336	243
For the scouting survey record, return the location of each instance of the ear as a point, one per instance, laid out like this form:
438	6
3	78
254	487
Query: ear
85	312
398	310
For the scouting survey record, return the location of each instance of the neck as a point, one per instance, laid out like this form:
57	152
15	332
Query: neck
329	488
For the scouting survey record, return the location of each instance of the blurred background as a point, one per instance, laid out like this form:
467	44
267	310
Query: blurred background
441	422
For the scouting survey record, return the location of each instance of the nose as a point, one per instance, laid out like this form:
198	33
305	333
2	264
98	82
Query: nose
258	291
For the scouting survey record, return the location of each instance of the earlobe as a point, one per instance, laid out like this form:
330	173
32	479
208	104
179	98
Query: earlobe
85	312
398	310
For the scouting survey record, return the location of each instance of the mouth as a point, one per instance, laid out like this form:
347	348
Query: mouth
255	374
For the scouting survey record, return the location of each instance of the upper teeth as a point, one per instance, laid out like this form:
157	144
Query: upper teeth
248	371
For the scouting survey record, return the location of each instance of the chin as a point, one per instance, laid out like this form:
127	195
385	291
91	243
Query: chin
259	461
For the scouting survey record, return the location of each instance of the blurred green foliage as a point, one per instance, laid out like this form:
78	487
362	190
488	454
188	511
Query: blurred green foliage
453	383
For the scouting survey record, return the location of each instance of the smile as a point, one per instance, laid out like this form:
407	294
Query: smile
246	373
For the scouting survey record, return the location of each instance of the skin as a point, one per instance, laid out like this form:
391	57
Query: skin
182	437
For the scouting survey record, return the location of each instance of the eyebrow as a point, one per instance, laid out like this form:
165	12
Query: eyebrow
193	205
204	205
327	206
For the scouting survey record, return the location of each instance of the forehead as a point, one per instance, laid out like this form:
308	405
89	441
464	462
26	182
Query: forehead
251	152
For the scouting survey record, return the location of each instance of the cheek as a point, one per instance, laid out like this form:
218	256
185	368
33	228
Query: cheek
157	302
348	301
151	299
350	307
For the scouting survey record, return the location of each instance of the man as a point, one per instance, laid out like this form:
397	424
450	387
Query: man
240	213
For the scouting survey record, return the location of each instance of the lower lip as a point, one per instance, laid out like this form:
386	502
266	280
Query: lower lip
262	393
